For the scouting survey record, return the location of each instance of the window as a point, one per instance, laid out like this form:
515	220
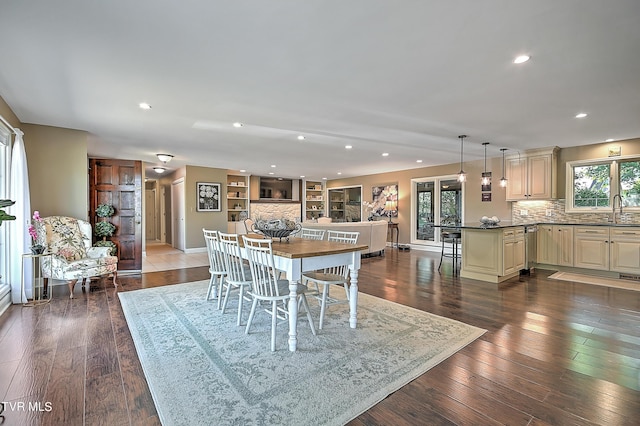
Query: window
592	185
5	157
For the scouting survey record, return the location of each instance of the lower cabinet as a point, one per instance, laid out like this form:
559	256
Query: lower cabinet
624	250
555	245
592	247
512	251
492	255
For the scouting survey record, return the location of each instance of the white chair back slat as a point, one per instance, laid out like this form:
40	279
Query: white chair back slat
312	234
233	261
262	265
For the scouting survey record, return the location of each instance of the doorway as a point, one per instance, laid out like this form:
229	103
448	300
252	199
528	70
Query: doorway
435	200
178	214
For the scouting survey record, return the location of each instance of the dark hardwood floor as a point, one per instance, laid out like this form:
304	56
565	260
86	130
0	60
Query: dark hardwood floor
555	353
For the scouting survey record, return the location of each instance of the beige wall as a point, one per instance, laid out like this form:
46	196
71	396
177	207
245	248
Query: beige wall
474	207
58	170
196	220
590	152
8	114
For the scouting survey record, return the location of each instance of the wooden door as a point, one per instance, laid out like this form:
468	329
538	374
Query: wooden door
119	183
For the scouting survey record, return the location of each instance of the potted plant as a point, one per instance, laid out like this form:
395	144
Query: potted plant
3	215
104	228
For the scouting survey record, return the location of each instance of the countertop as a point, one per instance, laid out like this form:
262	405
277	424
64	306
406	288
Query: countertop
503	225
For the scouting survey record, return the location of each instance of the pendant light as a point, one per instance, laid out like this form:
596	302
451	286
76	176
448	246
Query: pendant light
462	176
503	180
486	176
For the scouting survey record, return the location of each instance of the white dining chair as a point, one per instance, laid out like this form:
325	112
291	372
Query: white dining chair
331	276
268	288
238	274
217	267
312	234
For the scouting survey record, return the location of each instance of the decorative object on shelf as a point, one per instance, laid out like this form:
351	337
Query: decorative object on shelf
3	215
208	196
462	176
503	180
489	221
276	228
36	247
104	228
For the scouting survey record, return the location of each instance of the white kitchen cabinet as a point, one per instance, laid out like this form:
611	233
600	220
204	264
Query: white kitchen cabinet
532	175
591	247
492	255
512	251
555	245
625	250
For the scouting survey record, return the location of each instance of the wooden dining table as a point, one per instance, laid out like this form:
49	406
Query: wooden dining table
300	255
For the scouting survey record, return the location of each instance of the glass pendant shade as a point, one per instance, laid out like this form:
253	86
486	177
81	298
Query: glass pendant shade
503	180
462	176
486	179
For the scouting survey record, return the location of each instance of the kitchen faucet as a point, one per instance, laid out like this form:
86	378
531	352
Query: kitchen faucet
619	197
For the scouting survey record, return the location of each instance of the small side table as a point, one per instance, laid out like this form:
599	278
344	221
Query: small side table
35	262
391	226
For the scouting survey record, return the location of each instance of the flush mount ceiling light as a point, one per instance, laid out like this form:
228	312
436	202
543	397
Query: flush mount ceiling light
462	176
521	59
144	105
165	158
237	124
159	170
486	176
581	115
503	180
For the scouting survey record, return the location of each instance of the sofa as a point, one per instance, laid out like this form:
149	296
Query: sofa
372	233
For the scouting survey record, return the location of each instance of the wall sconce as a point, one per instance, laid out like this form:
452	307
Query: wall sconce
462	176
159	170
486	176
503	180
391	206
165	158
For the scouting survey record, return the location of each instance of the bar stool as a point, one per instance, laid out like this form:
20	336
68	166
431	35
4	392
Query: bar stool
453	237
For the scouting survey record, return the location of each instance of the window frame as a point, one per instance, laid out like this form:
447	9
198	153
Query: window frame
614	188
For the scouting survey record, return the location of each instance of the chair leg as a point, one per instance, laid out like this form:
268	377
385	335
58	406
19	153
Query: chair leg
226	298
240	299
441	253
251	314
115	276
274	318
212	288
84	282
220	288
309	317
323	304
71	285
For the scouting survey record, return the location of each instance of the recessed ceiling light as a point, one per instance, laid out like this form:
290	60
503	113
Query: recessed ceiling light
348	147
609	140
237	124
242	170
273	165
302	177
324	178
385	154
339	173
521	59
271	173
581	115
144	105
418	161
300	137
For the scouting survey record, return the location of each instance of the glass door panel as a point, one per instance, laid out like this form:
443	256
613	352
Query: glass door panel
425	210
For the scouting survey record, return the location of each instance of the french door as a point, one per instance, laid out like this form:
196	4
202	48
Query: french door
435	200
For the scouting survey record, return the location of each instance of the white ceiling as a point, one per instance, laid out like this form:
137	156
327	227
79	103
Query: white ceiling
403	77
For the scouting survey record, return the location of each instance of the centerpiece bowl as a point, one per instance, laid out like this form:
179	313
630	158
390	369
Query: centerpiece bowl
276	228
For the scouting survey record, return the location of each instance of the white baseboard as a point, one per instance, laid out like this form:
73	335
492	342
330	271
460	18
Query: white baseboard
196	250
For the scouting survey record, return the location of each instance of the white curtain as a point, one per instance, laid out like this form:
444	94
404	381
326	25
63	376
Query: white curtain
19	238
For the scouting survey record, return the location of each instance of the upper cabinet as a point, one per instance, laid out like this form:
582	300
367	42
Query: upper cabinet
313	200
237	198
532	175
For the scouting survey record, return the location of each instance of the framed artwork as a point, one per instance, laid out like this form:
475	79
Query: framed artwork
208	197
380	196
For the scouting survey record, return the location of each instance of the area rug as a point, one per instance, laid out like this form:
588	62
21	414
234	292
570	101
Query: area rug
203	370
595	280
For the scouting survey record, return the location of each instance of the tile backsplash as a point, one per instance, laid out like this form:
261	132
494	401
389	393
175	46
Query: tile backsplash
553	211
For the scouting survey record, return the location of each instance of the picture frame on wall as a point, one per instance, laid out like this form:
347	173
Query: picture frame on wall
380	196
208	197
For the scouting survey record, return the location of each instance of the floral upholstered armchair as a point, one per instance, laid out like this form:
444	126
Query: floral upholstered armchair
68	240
